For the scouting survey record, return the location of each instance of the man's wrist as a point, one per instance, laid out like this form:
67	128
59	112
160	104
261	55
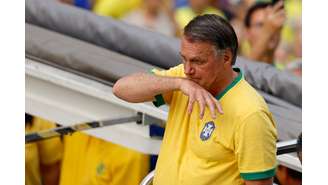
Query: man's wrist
177	83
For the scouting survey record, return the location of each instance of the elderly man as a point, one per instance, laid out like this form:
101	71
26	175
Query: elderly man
200	146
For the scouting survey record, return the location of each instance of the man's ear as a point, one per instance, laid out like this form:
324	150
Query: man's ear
227	57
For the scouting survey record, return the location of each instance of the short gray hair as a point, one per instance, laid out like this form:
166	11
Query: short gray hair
214	29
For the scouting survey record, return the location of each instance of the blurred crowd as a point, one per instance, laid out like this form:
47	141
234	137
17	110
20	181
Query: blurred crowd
268	31
79	159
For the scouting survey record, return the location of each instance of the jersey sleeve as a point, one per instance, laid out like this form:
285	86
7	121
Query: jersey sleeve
255	144
161	99
50	150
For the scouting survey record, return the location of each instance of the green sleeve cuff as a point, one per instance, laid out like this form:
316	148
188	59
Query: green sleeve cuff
159	100
259	175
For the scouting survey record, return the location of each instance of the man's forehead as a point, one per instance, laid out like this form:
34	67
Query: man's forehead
258	15
196	47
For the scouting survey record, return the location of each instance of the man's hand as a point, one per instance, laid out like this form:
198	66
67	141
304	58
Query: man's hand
275	17
269	34
129	89
197	93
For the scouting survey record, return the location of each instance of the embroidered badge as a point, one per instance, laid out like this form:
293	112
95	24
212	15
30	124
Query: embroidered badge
207	131
100	168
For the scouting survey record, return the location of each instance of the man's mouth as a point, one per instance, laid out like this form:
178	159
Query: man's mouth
194	79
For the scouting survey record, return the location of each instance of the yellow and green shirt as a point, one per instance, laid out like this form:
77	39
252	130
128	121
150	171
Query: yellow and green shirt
88	160
240	144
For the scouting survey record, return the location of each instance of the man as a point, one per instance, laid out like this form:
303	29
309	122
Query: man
263	22
200	146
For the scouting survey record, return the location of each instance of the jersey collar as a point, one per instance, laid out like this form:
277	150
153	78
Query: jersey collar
231	85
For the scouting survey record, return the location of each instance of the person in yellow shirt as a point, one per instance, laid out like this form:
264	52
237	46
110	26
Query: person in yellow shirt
201	146
42	158
196	7
88	160
115	8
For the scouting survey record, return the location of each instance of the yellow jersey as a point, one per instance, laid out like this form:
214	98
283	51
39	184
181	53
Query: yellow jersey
88	160
46	152
240	144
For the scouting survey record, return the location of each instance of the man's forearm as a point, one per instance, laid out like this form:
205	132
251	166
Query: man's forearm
141	87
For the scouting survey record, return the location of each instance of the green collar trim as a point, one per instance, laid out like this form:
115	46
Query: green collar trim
232	84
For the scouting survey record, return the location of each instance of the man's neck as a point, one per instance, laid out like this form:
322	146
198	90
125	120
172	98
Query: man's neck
151	13
268	57
223	83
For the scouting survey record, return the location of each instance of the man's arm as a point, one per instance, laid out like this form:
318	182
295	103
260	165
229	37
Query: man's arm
141	87
255	143
260	182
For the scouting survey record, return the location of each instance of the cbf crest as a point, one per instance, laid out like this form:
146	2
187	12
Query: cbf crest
207	131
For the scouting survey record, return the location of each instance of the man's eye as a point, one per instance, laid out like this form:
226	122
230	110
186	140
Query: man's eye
198	62
258	25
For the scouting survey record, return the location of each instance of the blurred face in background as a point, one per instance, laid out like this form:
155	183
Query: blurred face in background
154	5
198	5
256	26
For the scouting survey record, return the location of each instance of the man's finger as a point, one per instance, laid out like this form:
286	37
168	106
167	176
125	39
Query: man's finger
201	104
279	5
190	104
281	14
218	106
211	104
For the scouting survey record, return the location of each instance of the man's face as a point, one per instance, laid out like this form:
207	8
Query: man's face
201	65
154	4
198	5
256	27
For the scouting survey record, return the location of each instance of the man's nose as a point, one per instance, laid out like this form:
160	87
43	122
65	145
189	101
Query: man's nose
188	69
